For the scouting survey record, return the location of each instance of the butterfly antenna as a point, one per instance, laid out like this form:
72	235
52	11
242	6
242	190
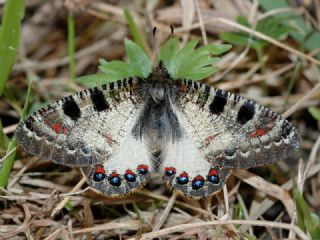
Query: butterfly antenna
155	50
172	31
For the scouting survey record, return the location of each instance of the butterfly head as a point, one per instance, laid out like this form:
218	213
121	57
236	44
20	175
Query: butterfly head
160	82
160	74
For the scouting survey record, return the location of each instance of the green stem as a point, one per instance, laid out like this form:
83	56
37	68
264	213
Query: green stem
71	48
260	59
293	78
259	51
11	151
8	163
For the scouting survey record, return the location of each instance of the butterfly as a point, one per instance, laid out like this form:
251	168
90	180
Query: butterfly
158	120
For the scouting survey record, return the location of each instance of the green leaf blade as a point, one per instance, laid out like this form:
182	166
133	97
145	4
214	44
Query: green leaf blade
134	29
168	52
10	38
96	79
138	58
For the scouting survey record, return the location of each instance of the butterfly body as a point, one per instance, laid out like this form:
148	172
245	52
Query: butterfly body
192	134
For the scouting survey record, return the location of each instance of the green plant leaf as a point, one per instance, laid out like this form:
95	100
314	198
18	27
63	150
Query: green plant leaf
241	39
274	28
190	62
201	73
177	68
11	152
307	36
138	59
69	206
243	21
306	219
269	26
3	138
71	47
95	79
119	68
315	112
187	62
215	49
137	37
139	66
168	51
9	38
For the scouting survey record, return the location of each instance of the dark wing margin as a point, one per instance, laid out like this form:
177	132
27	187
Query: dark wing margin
233	131
50	132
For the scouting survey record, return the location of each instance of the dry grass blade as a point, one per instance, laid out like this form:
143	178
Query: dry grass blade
165	212
129	225
185	227
66	199
23	226
315	90
268	188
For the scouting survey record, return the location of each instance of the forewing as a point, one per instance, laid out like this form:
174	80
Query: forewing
85	128
232	131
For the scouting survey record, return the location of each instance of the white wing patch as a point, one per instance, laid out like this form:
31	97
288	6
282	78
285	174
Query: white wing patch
185	167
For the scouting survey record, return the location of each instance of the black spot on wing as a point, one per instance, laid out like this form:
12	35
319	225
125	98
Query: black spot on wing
218	103
111	86
204	94
195	86
124	82
71	108
81	95
99	101
246	112
28	123
285	130
119	83
130	81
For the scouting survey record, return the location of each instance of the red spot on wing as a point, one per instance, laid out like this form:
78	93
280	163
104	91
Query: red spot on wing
199	178
114	174
56	127
130	172
213	172
170	169
143	166
184	174
100	169
260	132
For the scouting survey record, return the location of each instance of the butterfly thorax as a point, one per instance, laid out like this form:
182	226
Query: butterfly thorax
158	121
